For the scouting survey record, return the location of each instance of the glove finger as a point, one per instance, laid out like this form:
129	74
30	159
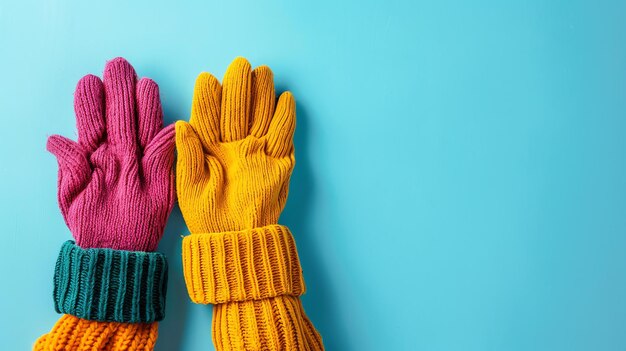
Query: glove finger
205	108
89	109
74	168
190	164
69	153
149	111
263	100
119	87
236	101
281	129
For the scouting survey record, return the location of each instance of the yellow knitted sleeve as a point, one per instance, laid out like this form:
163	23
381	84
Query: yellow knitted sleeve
235	158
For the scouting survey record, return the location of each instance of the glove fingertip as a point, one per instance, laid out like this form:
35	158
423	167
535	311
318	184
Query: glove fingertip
57	144
186	135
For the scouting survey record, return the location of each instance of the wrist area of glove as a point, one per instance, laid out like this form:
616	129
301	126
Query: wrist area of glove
143	241
109	285
244	265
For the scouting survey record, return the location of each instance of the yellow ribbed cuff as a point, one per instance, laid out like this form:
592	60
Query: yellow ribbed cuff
243	265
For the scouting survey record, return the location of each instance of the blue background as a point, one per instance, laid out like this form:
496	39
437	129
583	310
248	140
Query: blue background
461	174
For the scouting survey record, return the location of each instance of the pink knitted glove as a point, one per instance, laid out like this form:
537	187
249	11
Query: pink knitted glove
115	191
116	184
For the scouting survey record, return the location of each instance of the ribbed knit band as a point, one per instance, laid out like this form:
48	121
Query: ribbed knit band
110	285
244	265
71	333
274	324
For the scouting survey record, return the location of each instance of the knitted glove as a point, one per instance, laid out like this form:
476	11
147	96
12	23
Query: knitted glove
115	191
235	158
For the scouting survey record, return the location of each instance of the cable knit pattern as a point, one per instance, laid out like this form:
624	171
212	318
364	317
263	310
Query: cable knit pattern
235	157
110	285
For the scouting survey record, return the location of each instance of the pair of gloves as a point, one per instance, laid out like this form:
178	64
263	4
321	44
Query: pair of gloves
116	189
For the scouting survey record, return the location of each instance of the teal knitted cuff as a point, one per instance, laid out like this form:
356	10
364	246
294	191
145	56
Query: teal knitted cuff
110	285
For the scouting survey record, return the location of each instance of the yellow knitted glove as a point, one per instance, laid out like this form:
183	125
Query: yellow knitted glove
235	157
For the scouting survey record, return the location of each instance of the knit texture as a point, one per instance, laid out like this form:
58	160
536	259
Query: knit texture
110	285
115	191
74	334
225	181
239	266
277	323
116	184
235	157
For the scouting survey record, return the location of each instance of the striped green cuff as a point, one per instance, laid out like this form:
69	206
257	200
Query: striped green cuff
110	285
